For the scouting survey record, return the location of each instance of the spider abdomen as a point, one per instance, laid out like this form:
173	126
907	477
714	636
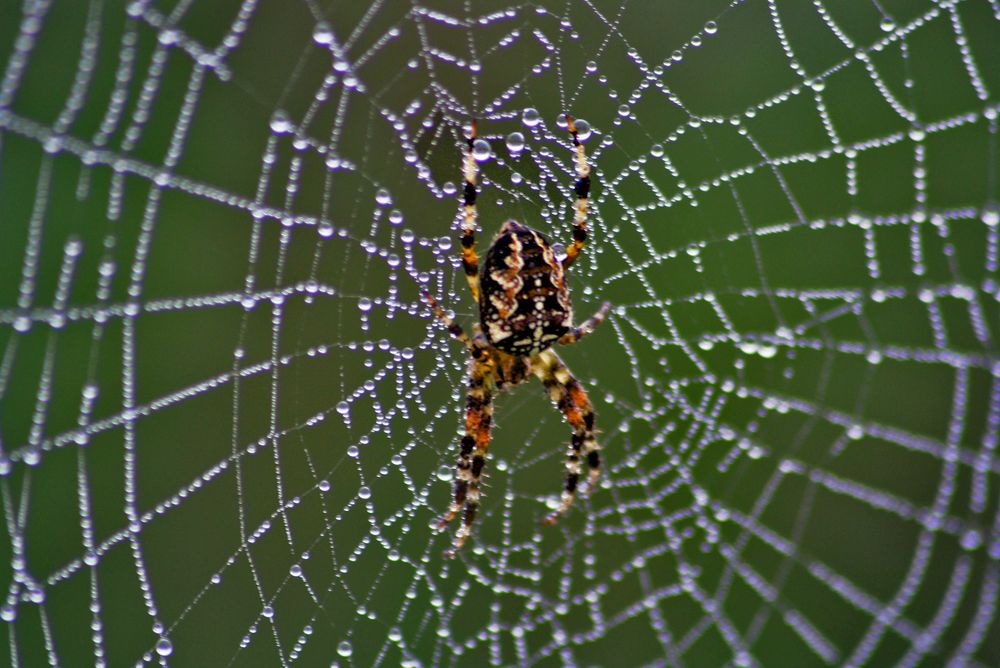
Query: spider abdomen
524	304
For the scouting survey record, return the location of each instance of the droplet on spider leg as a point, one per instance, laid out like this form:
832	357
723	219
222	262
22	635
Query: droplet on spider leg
559	250
481	150
582	129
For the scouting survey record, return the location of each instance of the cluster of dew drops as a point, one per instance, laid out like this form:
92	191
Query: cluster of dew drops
515	141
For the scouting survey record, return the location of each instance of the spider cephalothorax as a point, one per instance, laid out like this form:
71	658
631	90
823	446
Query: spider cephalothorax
524	308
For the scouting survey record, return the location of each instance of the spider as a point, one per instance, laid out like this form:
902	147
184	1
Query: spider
524	308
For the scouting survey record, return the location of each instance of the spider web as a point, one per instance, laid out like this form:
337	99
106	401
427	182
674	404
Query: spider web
228	420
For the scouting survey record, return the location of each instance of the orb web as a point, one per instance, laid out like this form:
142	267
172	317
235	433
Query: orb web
229	422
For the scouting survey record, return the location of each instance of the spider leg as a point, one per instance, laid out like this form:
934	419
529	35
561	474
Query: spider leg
582	188
476	344
472	455
568	394
470	172
586	327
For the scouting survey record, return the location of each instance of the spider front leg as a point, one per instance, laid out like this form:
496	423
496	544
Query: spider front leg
582	188
470	172
570	397
472	455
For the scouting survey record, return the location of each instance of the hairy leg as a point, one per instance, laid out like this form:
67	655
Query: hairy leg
586	327
470	172
570	397
582	188
472	455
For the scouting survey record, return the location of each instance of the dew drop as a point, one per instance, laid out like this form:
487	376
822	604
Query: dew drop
711	28
344	649
971	540
322	33
164	647
531	117
481	150
281	123
364	493
583	130
515	142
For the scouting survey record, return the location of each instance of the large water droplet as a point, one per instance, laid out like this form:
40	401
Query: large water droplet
164	647
345	649
515	142
322	33
531	117
481	150
281	123
582	129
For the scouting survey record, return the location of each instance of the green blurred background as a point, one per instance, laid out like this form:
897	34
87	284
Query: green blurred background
227	420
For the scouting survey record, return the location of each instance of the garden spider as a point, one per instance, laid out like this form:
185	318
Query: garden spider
524	308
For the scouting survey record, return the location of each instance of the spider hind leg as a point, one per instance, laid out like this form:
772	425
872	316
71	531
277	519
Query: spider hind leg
571	398
472	454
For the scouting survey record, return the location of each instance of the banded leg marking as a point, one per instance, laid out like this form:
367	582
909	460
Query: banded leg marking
453	327
572	400
582	189
586	327
470	172
471	457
